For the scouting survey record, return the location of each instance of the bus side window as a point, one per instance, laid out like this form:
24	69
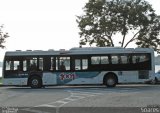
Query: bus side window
40	64
7	63
114	59
129	59
84	64
12	65
134	59
77	64
137	59
63	63
33	64
95	60
124	59
104	60
16	65
62	66
24	65
143	58
52	64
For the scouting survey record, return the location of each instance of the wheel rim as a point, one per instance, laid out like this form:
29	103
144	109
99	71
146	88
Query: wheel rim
110	81
34	82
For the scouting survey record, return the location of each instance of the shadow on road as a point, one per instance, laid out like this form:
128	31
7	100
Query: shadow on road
98	87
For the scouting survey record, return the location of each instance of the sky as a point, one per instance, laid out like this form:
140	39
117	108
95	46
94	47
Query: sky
43	24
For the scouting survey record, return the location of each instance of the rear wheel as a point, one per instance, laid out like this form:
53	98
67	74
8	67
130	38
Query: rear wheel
110	81
156	80
35	82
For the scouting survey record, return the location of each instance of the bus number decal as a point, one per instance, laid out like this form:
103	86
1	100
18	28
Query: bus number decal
70	76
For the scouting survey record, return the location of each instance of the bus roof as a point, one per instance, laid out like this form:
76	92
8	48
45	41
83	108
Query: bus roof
79	51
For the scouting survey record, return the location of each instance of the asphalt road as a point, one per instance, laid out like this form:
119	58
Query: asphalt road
83	99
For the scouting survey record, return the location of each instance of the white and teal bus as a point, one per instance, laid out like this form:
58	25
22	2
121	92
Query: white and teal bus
77	66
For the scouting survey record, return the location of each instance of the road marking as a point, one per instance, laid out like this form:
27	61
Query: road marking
12	95
85	93
46	105
67	99
34	111
58	103
105	90
61	101
74	96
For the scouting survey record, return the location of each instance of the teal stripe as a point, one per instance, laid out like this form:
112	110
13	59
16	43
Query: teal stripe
66	77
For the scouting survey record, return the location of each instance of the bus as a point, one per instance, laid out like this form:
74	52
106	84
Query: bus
78	66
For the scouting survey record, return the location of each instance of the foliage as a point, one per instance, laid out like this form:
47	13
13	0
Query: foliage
3	36
105	21
0	80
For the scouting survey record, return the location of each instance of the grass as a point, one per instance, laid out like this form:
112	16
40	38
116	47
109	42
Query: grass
0	80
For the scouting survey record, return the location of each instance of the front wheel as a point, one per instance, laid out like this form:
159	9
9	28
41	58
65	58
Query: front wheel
35	82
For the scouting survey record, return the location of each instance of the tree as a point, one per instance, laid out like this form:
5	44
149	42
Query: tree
3	36
105	21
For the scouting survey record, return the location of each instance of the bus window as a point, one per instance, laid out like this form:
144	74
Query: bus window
33	64
104	60
77	64
16	65
8	65
41	64
84	64
124	60
114	59
143	58
95	60
12	65
52	63
134	59
63	63
140	58
24	65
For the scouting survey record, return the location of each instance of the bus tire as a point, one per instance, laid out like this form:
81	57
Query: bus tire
156	80
110	80
35	82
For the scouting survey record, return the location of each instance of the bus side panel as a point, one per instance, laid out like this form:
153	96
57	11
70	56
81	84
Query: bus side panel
15	81
78	78
127	76
134	76
49	79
